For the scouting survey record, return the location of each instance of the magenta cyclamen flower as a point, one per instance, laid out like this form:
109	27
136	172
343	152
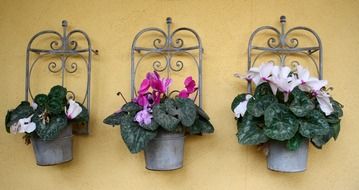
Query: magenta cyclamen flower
158	85
161	85
190	87
145	85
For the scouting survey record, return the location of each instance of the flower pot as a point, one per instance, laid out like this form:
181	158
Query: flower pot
56	151
165	151
283	160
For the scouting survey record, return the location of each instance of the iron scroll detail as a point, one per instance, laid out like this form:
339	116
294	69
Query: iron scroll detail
62	47
166	45
282	44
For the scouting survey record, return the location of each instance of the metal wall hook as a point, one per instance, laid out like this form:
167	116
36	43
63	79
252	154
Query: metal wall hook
167	46
281	45
61	48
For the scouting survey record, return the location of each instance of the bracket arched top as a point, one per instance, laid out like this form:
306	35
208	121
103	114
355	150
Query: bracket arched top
167	42
170	53
283	43
63	44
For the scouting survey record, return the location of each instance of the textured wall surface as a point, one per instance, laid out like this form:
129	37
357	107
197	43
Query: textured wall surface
102	161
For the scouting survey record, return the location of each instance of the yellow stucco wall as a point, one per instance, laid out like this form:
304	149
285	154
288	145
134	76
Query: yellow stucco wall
102	161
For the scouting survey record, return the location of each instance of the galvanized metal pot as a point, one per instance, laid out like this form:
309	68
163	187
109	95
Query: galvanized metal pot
283	160
56	151
165	151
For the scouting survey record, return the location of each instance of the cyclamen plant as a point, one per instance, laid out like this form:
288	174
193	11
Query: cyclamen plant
153	110
46	116
288	106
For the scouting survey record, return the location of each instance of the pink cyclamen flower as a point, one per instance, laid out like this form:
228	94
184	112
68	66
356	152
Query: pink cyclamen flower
161	85
190	87
145	85
143	117
142	100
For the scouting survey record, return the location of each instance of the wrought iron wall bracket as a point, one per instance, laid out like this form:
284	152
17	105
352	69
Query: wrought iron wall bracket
167	46
61	47
283	45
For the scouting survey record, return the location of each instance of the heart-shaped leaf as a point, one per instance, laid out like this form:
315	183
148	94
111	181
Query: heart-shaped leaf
301	104
164	119
24	110
187	111
280	123
51	130
314	124
135	137
250	131
257	106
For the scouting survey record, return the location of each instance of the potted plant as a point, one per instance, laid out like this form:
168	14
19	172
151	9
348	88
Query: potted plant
156	123
47	123
288	109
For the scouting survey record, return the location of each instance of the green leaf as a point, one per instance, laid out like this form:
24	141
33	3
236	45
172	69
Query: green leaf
41	100
7	120
187	111
319	141
202	113
336	129
301	104
58	92
314	124
280	123
152	126
51	130
170	106
238	99
295	142
201	125
337	113
55	106
23	110
257	106
115	118
135	137
262	90
165	120
131	107
250	130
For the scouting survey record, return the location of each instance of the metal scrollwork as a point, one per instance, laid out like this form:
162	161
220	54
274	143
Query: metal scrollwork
178	66
74	44
157	66
273	43
167	46
70	95
283	45
178	43
52	66
55	45
157	44
72	69
60	48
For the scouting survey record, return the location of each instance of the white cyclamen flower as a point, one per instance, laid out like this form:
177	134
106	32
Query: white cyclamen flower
258	75
23	125
74	109
282	81
324	102
314	85
241	109
308	83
